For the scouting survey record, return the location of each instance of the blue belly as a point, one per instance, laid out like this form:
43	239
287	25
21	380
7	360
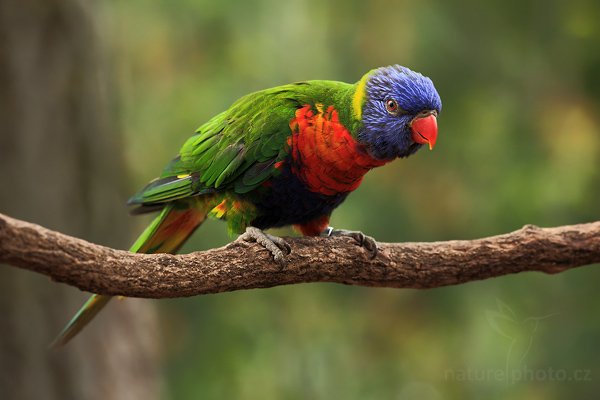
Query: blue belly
287	201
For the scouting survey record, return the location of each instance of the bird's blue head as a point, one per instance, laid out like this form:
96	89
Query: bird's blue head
398	109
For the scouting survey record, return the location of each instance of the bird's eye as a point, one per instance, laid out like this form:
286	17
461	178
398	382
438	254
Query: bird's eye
391	106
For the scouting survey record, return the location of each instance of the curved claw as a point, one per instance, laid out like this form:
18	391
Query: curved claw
363	240
276	245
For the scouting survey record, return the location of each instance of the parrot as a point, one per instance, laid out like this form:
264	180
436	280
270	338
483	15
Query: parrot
284	156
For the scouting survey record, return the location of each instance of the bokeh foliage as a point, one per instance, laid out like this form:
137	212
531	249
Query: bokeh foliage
519	143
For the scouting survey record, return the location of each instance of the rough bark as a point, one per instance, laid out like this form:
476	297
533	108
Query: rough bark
242	265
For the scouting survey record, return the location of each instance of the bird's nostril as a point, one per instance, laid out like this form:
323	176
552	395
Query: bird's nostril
426	113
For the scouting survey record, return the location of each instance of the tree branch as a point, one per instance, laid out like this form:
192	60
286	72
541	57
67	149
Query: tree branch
242	265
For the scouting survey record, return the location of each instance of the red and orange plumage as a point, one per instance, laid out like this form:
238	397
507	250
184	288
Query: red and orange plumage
325	156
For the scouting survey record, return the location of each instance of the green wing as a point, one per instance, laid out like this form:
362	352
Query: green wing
235	150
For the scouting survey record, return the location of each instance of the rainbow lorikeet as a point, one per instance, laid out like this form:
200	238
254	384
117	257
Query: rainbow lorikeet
283	156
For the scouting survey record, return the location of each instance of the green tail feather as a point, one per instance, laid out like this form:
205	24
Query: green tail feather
166	234
85	314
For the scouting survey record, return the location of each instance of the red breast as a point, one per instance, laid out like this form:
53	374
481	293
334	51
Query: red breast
325	156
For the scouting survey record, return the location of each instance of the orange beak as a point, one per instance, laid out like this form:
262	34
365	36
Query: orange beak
424	130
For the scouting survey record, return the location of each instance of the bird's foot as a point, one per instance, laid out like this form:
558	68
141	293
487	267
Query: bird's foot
276	245
363	240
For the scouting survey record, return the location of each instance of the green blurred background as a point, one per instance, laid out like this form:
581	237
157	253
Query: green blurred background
519	143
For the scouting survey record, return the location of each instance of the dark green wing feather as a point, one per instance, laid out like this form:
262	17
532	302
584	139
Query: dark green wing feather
235	150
